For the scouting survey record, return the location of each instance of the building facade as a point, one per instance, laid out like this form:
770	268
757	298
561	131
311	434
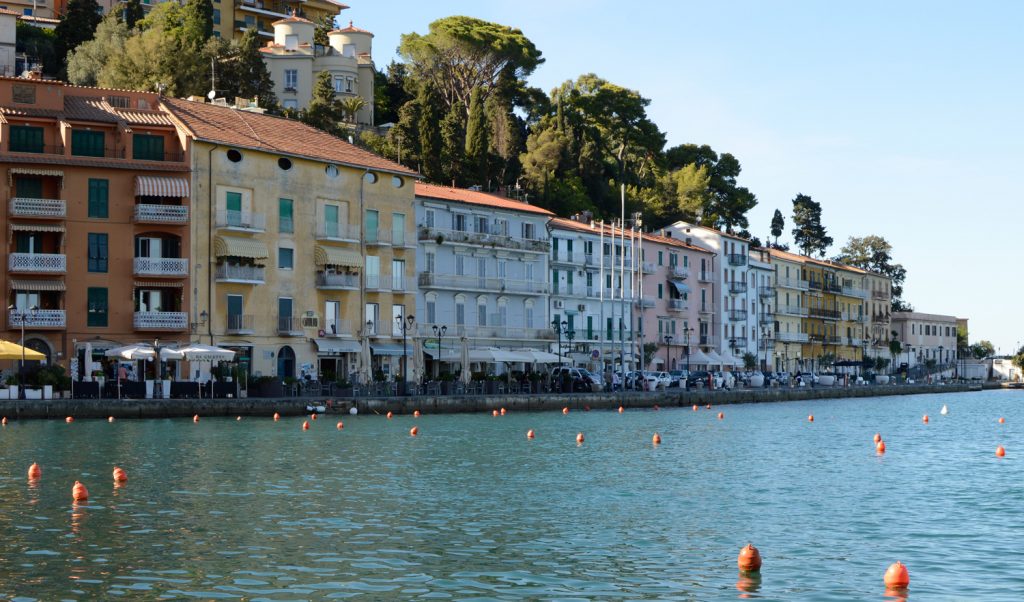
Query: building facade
304	245
790	311
483	282
98	215
8	39
928	339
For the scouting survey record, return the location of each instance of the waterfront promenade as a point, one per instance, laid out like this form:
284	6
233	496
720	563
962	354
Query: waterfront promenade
165	408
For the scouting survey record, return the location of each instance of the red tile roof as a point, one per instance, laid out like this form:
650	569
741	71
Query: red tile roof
293	19
4	11
675	242
475	197
350	29
246	129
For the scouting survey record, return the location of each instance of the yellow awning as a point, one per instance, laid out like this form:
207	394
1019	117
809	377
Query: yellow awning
337	257
36	285
230	246
38	227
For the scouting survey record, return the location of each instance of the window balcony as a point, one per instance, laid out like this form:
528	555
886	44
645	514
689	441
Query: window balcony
38	208
853	291
340	282
737	287
240	274
823	314
737	259
791	310
766	292
160	266
380	238
765	319
648	267
704	277
765	344
852	317
477	239
563	257
792	283
160	320
40	149
528	287
289	326
706	310
161	214
380	283
644	303
678	272
36	320
880	295
792	337
337	232
49	263
831	286
590	260
737	315
241	221
338	328
707	340
241	324
677	305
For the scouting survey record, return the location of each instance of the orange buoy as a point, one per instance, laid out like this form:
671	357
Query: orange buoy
390	415
586	408
708	406
502	411
34	472
565	410
414	431
621	409
110	418
69	420
1001	420
579	438
749	559
880	448
721	415
416	414
195	418
120	475
276	416
4	421
494	413
925	419
341	425
1000	451
79	492
529	434
810	418
305	425
877	437
313	416
694	407
656	439
897	575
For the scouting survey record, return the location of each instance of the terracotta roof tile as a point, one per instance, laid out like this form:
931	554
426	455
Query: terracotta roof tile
224	125
4	11
34	159
350	29
293	19
475	197
675	242
81	108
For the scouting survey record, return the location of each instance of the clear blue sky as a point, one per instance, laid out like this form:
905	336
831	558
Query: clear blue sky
903	119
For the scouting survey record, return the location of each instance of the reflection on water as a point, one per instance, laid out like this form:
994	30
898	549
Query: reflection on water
472	509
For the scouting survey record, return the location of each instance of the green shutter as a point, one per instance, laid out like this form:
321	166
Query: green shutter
98	196
26	139
371	225
28	188
97	310
97	252
86	143
147	147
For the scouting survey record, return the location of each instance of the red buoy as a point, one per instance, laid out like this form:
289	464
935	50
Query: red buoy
79	493
721	415
110	418
529	434
276	416
925	419
389	415
880	448
1001	420
341	425
414	431
810	418
694	407
877	437
305	425
565	410
34	472
656	439
416	414
749	559
579	438
69	420
195	418
621	410
1000	452
897	575
120	475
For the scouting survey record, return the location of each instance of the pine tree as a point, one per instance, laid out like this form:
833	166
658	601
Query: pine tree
453	145
77	25
250	72
809	235
323	111
197	24
778	223
133	13
477	140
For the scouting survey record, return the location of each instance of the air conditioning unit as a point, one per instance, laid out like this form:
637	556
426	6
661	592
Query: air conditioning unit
310	322
581	307
559	304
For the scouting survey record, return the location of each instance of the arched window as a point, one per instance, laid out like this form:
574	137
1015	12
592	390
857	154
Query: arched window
286	362
431	301
460	310
481	310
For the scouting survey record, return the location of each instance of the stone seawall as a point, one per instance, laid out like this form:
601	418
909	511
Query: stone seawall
167	408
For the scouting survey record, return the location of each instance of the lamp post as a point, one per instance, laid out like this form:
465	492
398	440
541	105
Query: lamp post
732	351
439	332
570	335
559	327
21	369
765	334
668	356
405	324
686	342
940	360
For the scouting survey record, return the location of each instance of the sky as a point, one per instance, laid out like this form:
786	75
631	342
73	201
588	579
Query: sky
902	119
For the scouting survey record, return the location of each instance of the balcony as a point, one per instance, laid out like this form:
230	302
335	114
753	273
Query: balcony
737	315
823	314
240	274
43	149
289	326
380	238
590	260
791	310
338	232
765	344
765	319
766	292
160	266
563	257
38	208
593	291
643	303
39	319
793	283
241	324
478	239
880	295
455	332
378	283
161	214
737	287
677	305
338	328
853	317
707	340
853	291
737	259
704	277
706	310
648	267
831	286
476	283
339	282
241	221
678	272
792	337
50	263
160	320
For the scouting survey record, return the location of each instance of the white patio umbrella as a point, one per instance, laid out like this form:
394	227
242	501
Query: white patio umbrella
417	359
132	352
464	374
199	353
364	360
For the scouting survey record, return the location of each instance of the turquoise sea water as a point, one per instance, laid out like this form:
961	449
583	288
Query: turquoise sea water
472	510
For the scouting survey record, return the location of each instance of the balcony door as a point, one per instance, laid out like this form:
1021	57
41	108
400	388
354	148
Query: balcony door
28	188
149	247
234	311
25	300
150	300
284	313
331	223
331	312
28	242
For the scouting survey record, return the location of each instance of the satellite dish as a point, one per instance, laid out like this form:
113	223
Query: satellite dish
211	94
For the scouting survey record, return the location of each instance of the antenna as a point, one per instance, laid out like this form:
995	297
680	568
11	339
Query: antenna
213	80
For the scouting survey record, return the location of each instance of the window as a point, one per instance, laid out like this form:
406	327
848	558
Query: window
233	204
234	156
372	271
430	262
481	267
528	310
430	218
147	148
332	229
481	311
86	143
660	290
339	83
291	103
26	139
431	300
284	313
661	258
460	310
673	259
284	163
285	258
397	319
98	190
529	272
554	282
332	311
216	16
459	222
97	307
502	268
460	265
398	274
286	223
398	229
97	252
372	318
481	224
28	188
291	80
528	231
370	223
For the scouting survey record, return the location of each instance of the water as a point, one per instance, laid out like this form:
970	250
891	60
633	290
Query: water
472	510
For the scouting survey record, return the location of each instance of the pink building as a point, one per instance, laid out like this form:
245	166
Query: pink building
674	300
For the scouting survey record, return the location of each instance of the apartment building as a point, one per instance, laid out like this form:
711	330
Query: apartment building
483	282
790	310
305	245
925	338
762	305
97	190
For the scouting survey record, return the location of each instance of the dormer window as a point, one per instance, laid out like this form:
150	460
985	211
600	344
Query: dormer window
291	42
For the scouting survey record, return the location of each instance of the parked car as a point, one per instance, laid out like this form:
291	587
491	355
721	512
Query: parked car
678	377
664	379
807	377
648	381
581	379
697	378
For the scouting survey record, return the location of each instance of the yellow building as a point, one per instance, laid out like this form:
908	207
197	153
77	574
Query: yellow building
790	310
232	19
304	245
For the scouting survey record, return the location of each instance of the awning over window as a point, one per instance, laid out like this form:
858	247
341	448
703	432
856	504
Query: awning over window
337	257
680	287
37	227
29	171
338	346
36	285
391	349
153	186
230	246
157	284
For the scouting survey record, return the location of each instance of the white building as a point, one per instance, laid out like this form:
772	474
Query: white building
484	278
762	283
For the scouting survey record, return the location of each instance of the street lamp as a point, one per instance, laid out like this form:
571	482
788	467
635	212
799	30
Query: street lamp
21	370
570	335
439	332
559	328
405	324
668	358
686	342
765	334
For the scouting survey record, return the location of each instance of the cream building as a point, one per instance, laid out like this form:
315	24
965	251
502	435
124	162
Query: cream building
790	310
294	64
925	337
8	27
304	245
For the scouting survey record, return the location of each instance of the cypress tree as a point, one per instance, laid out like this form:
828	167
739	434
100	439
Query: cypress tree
430	134
77	25
477	140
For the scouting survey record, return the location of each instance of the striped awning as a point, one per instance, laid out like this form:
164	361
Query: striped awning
30	171
157	284
37	227
36	285
153	186
680	286
337	257
230	246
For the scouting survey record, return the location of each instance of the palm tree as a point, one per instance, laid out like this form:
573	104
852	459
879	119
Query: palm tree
350	106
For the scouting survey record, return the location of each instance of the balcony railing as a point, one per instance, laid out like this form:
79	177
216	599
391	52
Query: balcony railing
853	291
643	303
160	266
428	280
593	291
880	295
707	340
245	274
737	259
737	287
160	320
378	238
831	286
43	149
853	317
161	214
648	267
765	344
24	207
241	324
793	283
241	220
337	281
704	277
791	310
677	305
766	292
289	326
479	239
792	337
765	319
455	332
824	314
41	318
737	315
339	328
378	282
705	310
565	257
37	262
336	231
590	259
679	272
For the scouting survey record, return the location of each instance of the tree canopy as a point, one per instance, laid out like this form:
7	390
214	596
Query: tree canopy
77	25
874	253
809	234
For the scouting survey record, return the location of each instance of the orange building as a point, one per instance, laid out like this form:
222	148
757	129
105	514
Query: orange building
96	184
